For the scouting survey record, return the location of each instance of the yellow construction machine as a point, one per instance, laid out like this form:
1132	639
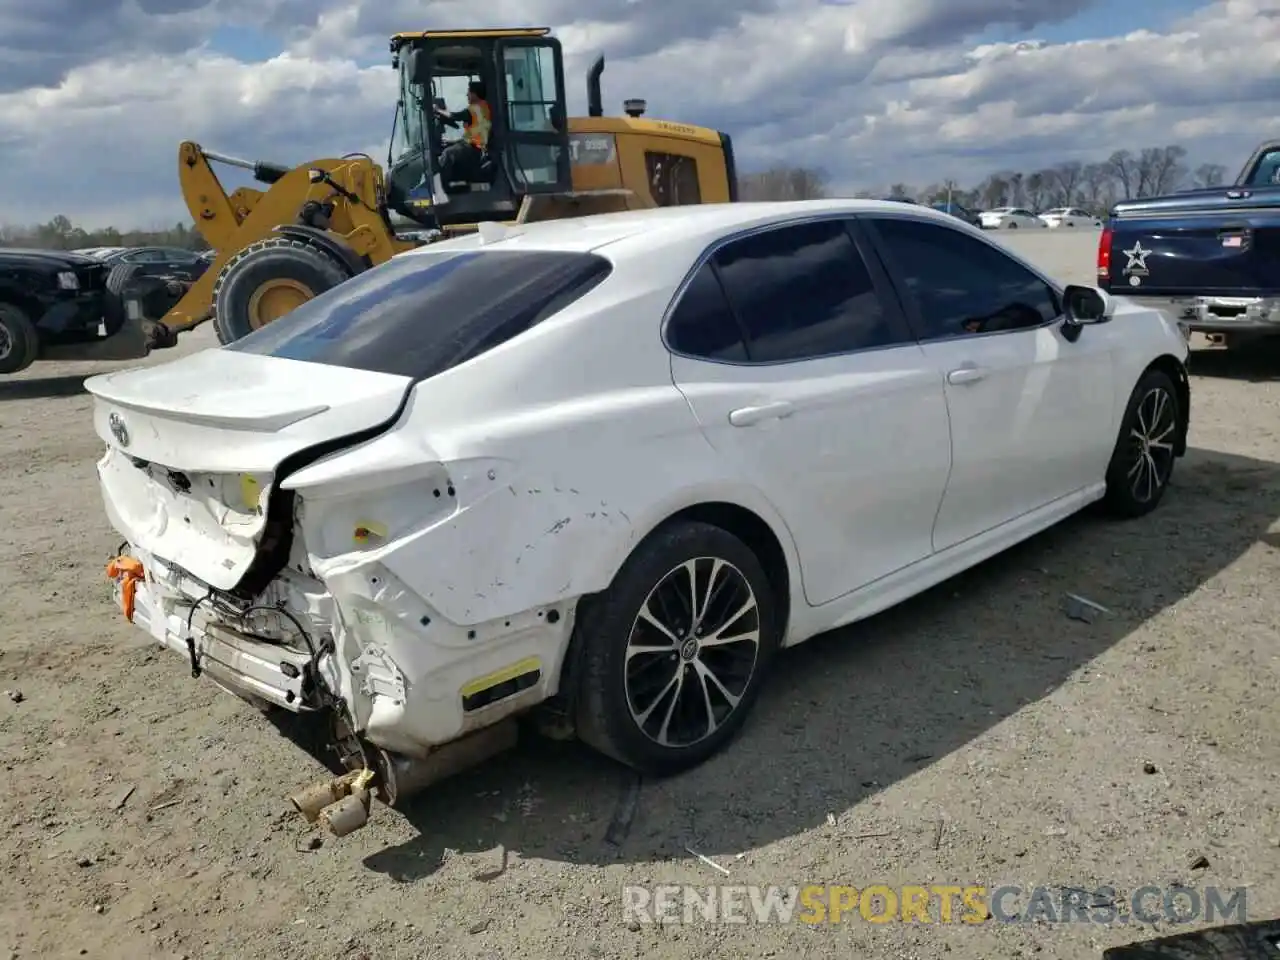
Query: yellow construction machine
317	224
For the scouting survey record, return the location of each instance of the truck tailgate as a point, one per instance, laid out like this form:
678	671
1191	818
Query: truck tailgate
1205	243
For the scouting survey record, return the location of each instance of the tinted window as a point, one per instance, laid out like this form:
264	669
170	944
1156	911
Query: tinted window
421	314
962	285
702	325
803	291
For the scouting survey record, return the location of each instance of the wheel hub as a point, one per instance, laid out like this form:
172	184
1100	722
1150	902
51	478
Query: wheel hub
274	298
689	650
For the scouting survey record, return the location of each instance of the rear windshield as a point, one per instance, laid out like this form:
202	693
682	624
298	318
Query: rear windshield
418	315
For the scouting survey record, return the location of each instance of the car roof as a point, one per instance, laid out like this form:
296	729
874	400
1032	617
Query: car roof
660	226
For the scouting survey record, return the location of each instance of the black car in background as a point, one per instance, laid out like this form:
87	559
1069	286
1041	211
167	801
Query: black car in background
50	297
172	262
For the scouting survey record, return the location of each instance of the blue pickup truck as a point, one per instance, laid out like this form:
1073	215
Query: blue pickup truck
1209	257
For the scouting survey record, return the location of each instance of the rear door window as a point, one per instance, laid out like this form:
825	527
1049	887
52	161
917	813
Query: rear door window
803	291
419	315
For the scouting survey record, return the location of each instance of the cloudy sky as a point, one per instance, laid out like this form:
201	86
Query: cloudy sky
96	94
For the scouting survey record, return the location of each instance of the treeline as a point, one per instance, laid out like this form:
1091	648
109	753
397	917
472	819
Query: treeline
1096	186
61	234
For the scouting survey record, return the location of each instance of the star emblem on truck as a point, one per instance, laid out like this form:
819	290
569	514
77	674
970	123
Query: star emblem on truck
1137	256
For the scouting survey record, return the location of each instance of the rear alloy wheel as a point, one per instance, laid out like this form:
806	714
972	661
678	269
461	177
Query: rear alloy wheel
1142	463
268	279
19	341
676	649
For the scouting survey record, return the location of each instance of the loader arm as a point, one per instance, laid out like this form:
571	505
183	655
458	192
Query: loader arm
231	223
213	211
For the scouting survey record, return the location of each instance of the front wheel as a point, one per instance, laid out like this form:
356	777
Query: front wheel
676	650
1013	226
19	341
1142	462
268	279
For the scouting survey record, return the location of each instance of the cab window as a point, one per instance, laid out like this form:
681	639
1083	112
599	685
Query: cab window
673	179
1267	172
532	91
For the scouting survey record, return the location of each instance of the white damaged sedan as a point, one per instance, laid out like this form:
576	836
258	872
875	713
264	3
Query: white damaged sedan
607	467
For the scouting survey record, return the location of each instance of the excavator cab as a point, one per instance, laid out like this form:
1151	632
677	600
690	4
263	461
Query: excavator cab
521	74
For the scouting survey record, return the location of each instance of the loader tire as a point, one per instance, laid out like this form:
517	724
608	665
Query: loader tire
120	283
267	279
19	341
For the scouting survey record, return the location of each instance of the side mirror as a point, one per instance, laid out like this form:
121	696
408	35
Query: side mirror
1084	305
419	66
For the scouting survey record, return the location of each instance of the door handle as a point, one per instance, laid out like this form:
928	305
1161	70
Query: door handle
746	416
966	374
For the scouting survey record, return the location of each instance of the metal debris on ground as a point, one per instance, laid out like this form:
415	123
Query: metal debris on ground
124	796
1083	609
707	860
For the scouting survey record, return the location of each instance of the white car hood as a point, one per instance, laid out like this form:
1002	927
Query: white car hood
194	447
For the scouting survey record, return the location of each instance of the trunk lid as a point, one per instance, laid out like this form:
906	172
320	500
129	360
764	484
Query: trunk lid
1221	241
195	446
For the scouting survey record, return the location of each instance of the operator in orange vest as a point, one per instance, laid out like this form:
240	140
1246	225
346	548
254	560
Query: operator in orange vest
460	160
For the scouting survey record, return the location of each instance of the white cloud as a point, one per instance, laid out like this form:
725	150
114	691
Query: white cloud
873	91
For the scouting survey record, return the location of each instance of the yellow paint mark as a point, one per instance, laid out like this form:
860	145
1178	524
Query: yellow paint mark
250	491
528	665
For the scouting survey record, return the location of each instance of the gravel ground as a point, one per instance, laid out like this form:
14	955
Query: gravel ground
974	735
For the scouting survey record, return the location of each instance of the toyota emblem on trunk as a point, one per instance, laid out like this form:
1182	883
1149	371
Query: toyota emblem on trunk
118	429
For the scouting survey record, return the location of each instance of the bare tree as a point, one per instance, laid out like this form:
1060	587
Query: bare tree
1094	179
901	191
1159	170
993	191
1015	189
784	183
1209	175
1037	185
1124	171
1066	181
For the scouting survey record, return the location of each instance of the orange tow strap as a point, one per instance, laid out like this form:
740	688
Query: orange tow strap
126	571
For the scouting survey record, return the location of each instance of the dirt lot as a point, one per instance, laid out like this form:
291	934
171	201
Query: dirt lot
974	735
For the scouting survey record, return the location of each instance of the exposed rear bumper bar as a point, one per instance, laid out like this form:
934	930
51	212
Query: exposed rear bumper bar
1220	314
248	668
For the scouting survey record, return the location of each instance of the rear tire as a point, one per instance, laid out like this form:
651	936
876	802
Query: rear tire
267	279
19	339
1143	460
661	697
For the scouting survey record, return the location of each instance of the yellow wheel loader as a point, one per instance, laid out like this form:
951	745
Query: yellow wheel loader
320	223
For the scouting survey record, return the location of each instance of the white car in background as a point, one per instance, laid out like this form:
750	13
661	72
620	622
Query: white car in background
1070	217
614	473
1010	218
